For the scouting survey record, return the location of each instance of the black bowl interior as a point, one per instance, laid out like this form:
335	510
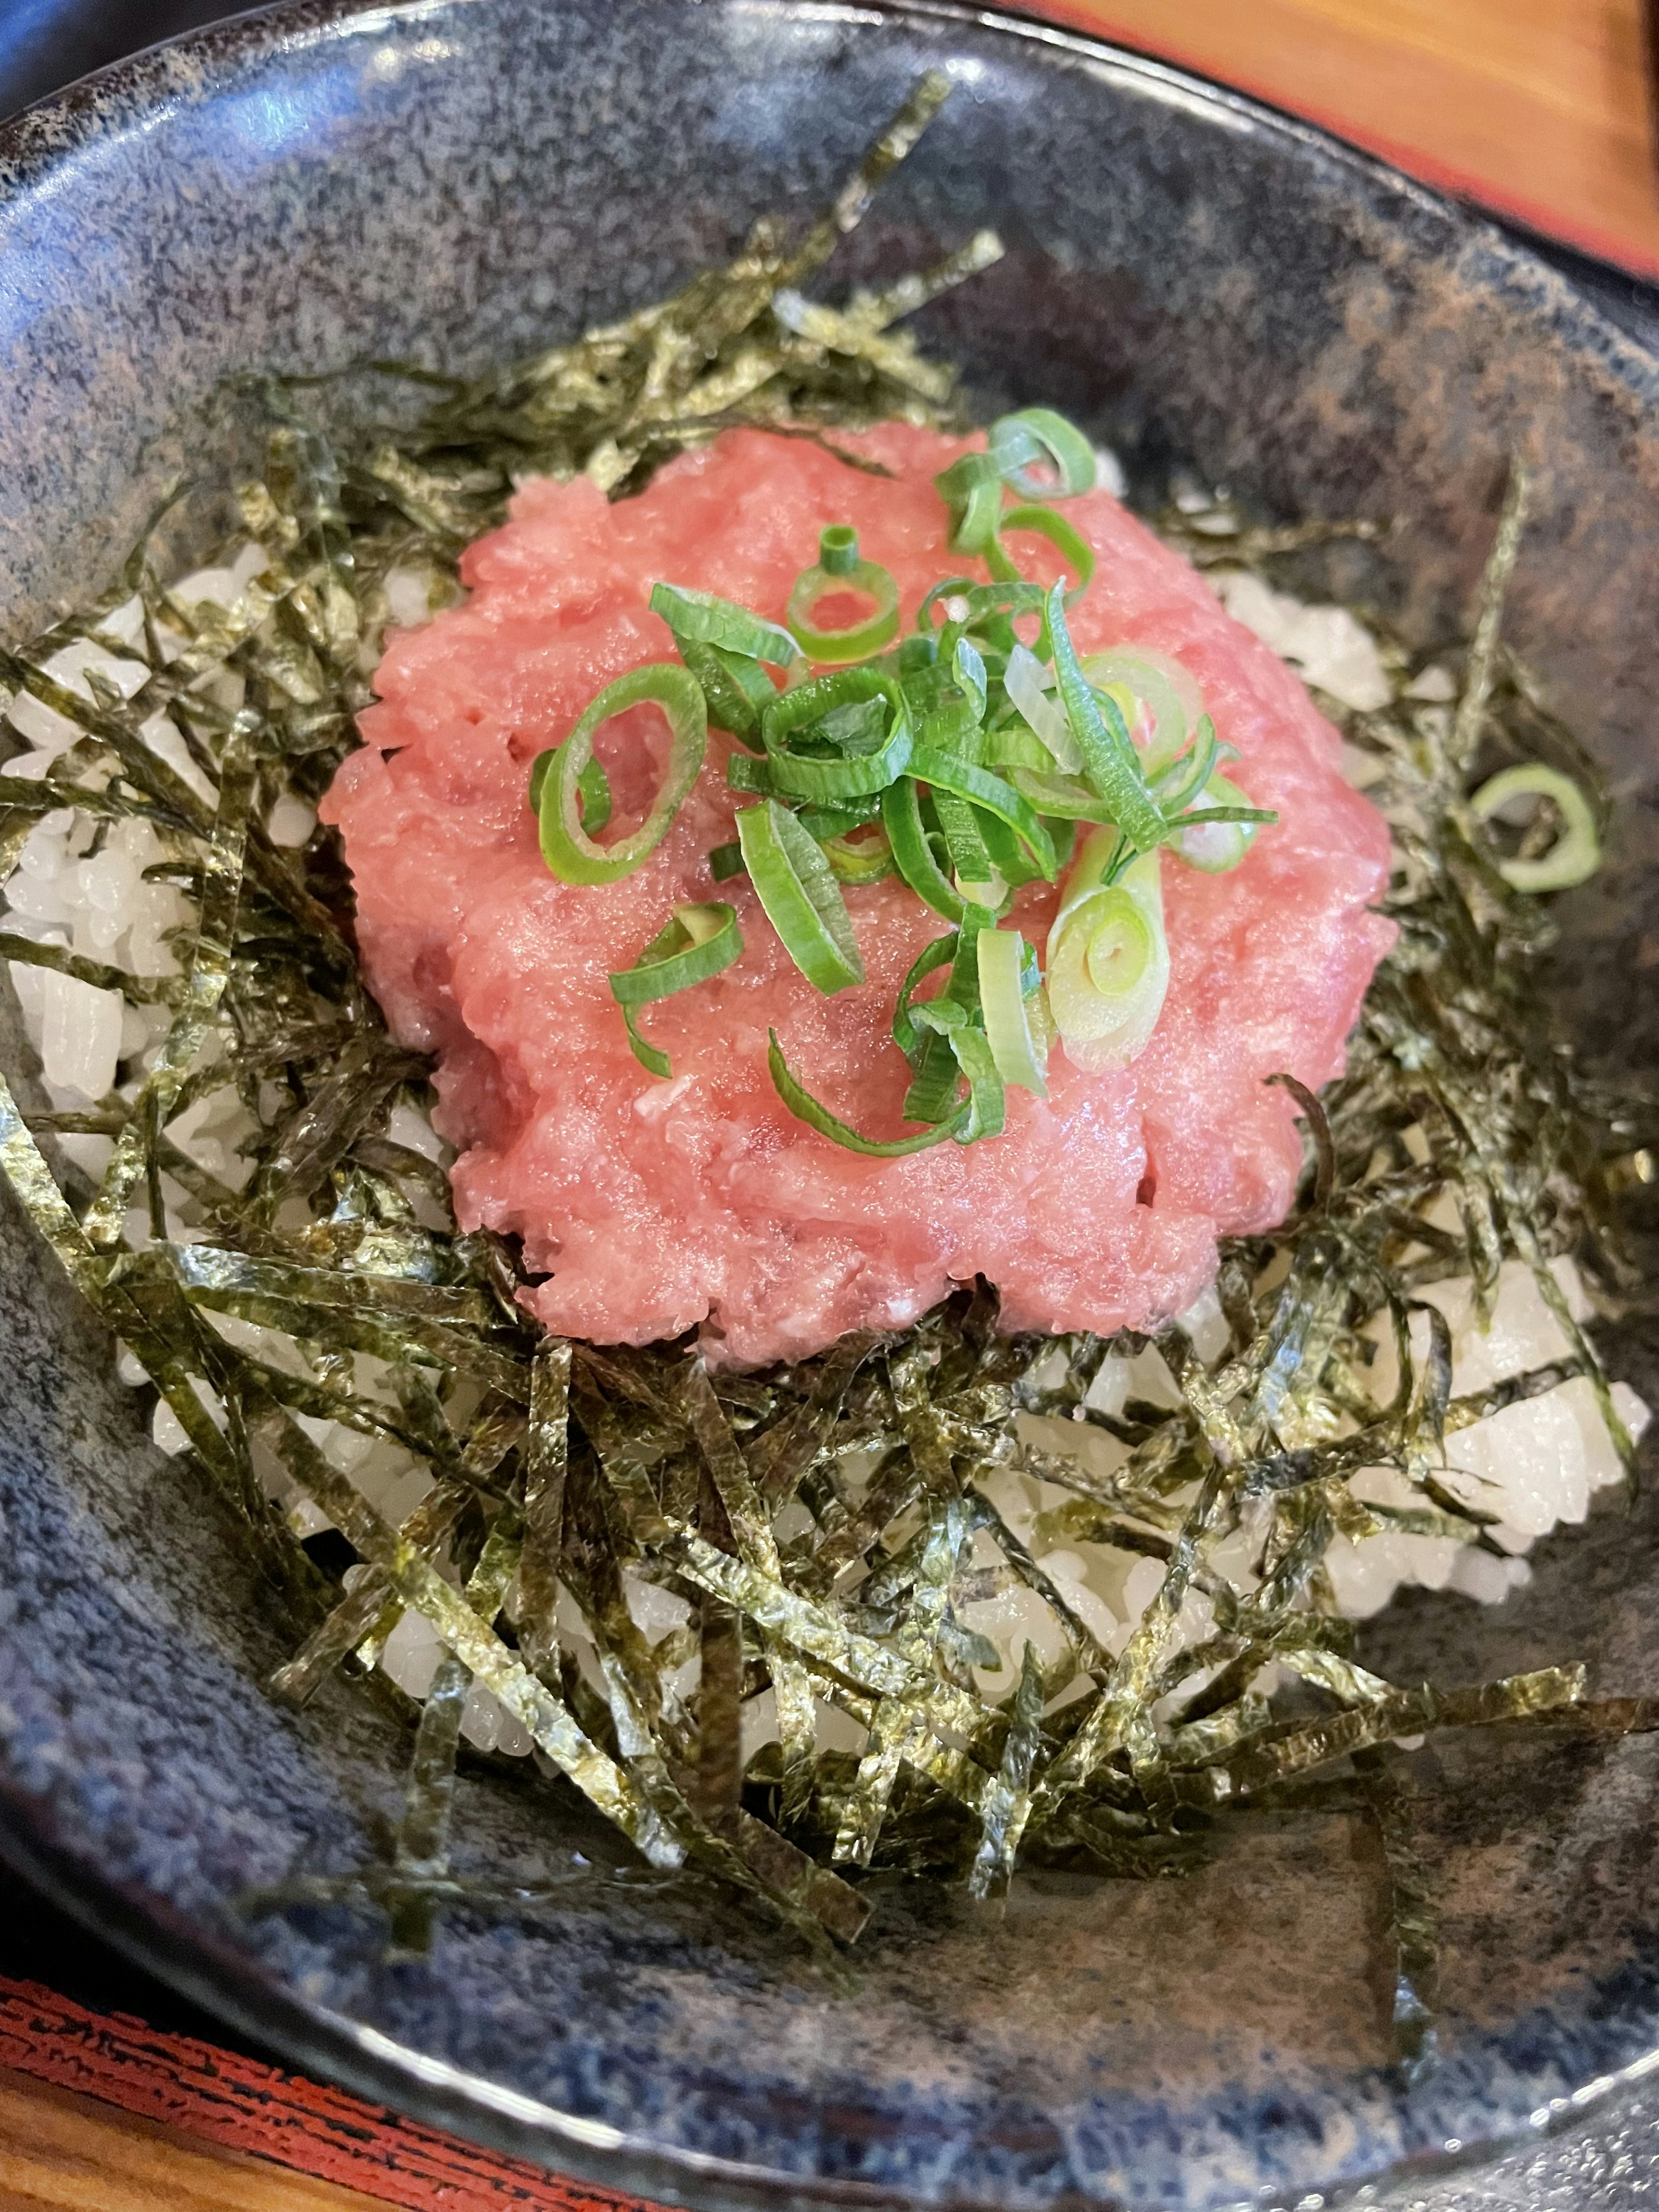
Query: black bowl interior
1207	286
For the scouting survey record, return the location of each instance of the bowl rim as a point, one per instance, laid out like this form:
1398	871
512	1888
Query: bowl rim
166	1945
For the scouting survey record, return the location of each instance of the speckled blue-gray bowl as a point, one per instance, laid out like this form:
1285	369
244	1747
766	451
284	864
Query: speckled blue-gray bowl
1204	283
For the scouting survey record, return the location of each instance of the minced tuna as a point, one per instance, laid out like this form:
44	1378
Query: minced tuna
650	1206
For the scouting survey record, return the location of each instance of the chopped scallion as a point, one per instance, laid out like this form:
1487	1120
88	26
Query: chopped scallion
568	850
1058	443
696	943
1108	959
1010	1030
802	1104
803	900
839	569
1576	853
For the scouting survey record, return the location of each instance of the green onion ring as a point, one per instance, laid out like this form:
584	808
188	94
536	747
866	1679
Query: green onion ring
1576	853
946	772
1007	855
753	777
866	862
1069	544
858	776
696	943
988	1096
1067	797
913	856
565	847
1008	1028
970	862
1016	744
805	1107
1110	758
593	783
932	958
968	666
1108	958
1061	442
840	569
1216	839
739	690
725	861
951	587
802	899
825	822
1162	685
1182	781
972	490
932	1095
708	619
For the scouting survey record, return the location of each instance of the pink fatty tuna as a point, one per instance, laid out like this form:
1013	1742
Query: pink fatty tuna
650	1206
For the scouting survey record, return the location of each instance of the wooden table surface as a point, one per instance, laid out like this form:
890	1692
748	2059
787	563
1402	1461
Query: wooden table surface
1538	108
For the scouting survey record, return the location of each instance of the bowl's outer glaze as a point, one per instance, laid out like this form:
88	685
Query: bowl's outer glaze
1199	281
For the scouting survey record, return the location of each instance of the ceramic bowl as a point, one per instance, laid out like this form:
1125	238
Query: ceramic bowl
1209	287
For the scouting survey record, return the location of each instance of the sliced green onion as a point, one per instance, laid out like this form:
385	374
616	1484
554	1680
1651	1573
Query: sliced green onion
968	666
802	899
826	822
1010	598
1069	544
913	856
932	958
1104	858
932	1095
939	1017
1012	744
988	1096
1059	442
1109	964
1067	796
725	861
1012	864
705	619
853	776
947	773
805	1107
755	777
1164	687
593	783
696	943
840	569
1022	681
956	730
865	862
970	859
739	690
1180	783
1110	758
568	849
1576	853
948	588
1009	1029
972	488
1216	838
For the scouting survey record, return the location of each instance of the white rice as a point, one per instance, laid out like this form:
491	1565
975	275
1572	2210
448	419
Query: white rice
1534	1466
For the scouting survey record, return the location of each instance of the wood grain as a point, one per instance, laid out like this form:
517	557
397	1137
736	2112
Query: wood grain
65	2152
1538	108
205	2099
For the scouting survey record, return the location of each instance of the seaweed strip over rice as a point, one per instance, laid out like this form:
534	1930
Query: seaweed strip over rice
819	1533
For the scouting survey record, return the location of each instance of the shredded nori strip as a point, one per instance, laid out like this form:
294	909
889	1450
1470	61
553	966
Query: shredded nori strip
822	1530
